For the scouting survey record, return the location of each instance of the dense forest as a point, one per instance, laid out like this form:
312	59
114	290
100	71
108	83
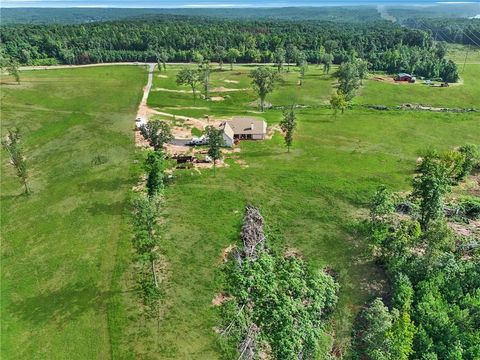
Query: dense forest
431	312
384	45
86	15
358	13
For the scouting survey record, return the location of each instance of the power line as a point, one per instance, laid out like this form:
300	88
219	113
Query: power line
473	34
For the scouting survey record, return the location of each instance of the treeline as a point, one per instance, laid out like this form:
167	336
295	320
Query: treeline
386	46
433	309
87	15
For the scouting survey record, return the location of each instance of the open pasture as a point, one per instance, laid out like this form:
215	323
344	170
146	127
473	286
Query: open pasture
66	284
310	197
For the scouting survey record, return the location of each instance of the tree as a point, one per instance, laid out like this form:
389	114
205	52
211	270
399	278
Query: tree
327	61
215	142
303	70
471	159
191	77
430	185
279	58
11	144
157	133
288	125
162	58
400	336
232	55
197	57
220	54
338	102
281	297
11	67
291	54
320	54
263	82
381	205
377	321
154	166
449	72
362	68
349	79
204	70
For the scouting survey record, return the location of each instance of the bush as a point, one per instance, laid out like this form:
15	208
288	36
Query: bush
470	207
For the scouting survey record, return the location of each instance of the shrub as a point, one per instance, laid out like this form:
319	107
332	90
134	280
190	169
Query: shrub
470	207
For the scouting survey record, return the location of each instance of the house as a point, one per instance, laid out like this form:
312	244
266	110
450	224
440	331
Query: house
405	77
243	128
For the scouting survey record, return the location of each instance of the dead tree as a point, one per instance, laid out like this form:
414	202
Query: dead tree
248	346
252	233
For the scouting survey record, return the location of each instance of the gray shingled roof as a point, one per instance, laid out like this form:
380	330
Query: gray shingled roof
247	125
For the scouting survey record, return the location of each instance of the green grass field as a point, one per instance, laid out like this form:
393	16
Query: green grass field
67	278
310	198
61	245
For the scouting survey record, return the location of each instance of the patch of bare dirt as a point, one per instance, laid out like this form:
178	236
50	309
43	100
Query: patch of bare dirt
242	163
162	76
140	140
220	299
272	130
292	252
186	108
217	98
173	90
467	230
231	81
226	252
180	132
224	89
388	79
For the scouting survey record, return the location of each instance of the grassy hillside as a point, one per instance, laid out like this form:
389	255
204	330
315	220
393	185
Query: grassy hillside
309	197
61	244
67	279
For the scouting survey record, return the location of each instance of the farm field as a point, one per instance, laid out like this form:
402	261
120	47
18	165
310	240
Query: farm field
61	246
311	199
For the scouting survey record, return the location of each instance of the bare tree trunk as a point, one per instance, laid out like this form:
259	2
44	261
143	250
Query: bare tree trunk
27	190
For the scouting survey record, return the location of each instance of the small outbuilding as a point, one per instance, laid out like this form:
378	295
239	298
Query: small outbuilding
405	77
243	128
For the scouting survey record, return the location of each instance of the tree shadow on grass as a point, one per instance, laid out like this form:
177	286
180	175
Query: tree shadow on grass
111	184
18	195
99	208
62	305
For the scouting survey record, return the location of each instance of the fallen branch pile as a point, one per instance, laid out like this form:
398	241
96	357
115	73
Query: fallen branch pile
252	233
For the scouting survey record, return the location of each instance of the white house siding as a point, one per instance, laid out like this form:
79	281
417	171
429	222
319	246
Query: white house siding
228	140
258	136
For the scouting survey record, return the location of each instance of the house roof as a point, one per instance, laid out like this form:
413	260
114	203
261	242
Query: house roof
247	125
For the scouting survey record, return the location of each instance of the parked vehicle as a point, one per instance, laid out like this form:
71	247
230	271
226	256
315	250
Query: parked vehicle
196	141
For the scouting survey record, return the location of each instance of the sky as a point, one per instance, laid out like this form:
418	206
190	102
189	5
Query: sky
209	3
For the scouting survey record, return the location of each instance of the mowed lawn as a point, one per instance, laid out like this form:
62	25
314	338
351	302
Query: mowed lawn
60	244
465	94
311	198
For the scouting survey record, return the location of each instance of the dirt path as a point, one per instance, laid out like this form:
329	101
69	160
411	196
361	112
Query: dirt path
143	110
